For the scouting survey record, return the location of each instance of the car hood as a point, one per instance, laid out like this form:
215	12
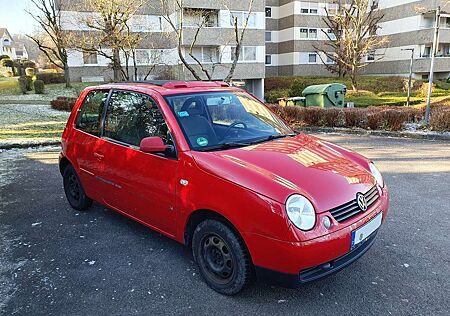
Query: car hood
325	173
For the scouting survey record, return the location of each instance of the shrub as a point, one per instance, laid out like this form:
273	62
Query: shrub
49	77
39	87
272	96
389	118
63	103
23	84
29	72
29	83
440	119
8	73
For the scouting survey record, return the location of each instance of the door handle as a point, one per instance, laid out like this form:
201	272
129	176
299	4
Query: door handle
99	156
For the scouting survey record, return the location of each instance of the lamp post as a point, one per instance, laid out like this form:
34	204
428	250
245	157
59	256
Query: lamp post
433	58
408	100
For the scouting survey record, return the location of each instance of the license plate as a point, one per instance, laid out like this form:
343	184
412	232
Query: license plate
362	233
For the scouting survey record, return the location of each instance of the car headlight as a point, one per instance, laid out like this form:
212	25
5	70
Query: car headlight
300	212
377	174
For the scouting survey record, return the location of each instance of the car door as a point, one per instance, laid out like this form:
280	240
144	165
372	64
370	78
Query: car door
87	144
140	184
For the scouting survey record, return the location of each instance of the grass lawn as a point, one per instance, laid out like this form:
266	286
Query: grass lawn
9	90
20	122
374	91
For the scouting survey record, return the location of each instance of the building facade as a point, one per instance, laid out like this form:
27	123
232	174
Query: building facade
158	50
295	28
7	44
280	40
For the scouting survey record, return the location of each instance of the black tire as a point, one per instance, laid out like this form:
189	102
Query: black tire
74	190
222	257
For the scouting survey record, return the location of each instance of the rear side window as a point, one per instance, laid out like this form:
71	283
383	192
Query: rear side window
132	116
91	112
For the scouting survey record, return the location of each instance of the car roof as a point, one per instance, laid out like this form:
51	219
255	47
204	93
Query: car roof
167	87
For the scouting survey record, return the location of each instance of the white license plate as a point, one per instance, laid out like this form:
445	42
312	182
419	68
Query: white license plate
362	233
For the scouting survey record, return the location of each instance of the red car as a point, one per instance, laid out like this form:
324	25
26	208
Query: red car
214	168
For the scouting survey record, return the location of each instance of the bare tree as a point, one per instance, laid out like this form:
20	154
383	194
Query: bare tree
52	41
174	15
353	36
108	33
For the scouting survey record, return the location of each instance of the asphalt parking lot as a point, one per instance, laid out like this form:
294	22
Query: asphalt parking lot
56	261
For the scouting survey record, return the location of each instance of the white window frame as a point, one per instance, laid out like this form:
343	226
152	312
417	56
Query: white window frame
90	64
270	60
241	15
311	8
312	63
242	54
308	37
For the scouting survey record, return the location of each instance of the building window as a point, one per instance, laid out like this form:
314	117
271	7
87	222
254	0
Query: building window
268	12
89	58
268	59
205	54
371	56
268	36
303	33
247	53
330	60
332	8
374	4
331	35
427	52
312	58
142	57
241	18
308	33
309	8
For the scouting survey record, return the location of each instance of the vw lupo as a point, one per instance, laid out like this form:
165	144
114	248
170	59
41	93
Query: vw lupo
214	168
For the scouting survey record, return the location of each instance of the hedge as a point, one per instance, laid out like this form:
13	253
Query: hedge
63	103
50	77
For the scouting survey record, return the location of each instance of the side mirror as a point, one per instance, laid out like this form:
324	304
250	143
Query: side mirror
153	144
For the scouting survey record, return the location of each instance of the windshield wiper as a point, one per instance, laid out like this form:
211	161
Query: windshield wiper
272	137
224	146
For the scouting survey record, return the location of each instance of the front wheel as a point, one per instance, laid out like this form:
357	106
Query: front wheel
222	257
74	191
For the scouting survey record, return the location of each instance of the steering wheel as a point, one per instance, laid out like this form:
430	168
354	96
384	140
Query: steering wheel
227	131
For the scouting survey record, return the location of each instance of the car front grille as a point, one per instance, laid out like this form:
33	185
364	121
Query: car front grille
350	209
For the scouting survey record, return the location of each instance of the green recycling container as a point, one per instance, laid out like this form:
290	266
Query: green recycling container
325	95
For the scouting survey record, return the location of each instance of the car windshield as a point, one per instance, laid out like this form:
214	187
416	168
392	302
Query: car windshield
221	120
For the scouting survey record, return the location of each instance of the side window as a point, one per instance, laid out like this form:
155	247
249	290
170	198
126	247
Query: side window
91	111
132	116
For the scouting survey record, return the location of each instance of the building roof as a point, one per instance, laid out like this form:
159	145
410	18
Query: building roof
4	31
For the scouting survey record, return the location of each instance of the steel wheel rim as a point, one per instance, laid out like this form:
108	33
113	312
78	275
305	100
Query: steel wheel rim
217	259
74	187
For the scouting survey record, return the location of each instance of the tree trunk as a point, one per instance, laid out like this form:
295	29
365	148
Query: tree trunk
67	76
116	65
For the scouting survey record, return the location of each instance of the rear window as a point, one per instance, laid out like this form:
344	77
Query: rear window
91	112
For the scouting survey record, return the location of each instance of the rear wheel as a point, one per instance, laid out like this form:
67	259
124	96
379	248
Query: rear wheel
74	191
222	257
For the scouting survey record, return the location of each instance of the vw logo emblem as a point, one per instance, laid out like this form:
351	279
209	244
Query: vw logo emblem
362	202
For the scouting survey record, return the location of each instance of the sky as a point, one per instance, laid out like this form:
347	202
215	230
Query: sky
14	18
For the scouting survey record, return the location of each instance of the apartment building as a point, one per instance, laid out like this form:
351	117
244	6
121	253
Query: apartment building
295	28
213	46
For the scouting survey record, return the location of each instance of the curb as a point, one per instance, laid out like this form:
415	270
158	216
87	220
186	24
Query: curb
362	132
6	146
27	102
358	132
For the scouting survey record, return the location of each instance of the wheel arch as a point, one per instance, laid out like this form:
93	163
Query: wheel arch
63	163
200	215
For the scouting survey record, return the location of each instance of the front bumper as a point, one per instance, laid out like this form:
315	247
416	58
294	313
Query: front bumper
292	263
314	273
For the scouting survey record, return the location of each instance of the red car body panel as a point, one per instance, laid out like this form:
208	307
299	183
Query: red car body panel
248	186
